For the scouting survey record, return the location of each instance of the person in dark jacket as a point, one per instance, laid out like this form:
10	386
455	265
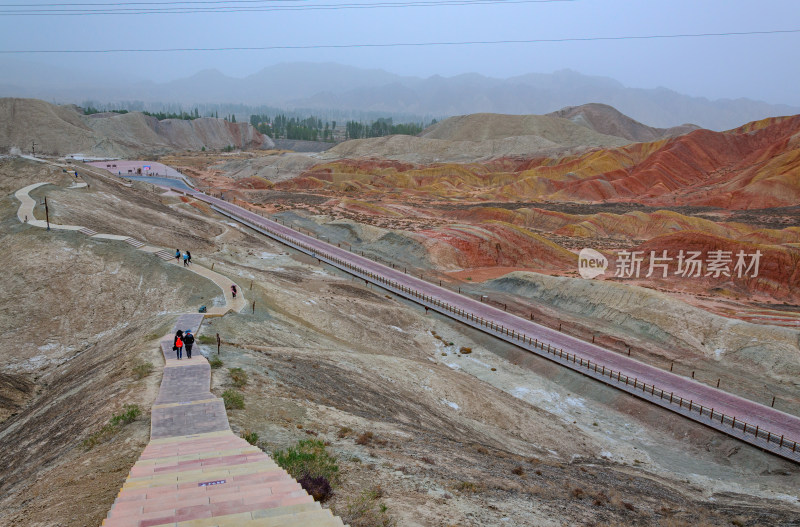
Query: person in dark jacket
177	344
188	342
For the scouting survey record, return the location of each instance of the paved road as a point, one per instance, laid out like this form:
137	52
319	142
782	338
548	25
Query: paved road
777	423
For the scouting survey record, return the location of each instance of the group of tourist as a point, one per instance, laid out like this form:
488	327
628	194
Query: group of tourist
183	339
187	257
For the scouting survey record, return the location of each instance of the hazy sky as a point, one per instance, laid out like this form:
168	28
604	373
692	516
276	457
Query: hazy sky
765	67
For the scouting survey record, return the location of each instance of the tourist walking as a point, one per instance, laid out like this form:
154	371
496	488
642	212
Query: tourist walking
189	257
177	344
177	255
188	341
233	290
186	259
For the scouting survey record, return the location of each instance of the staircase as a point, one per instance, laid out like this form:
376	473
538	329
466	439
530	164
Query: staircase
196	473
164	254
133	241
87	231
212	479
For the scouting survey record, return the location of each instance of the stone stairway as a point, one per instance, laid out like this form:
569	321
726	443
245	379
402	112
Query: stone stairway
133	241
87	231
196	473
166	255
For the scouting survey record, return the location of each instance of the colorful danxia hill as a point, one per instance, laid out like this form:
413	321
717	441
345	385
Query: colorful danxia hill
702	191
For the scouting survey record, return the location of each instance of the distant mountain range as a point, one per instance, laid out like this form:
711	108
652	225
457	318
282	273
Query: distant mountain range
327	86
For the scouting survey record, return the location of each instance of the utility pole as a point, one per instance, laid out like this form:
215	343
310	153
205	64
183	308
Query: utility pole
46	213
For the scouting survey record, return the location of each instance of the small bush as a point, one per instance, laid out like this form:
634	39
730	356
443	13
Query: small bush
465	350
365	438
233	400
250	437
365	510
344	431
519	471
142	370
206	339
128	415
429	460
238	377
215	362
318	487
308	458
578	493
467	486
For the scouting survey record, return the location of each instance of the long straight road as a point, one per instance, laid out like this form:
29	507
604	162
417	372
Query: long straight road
744	419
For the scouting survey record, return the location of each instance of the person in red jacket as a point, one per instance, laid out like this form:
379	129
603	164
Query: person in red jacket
177	344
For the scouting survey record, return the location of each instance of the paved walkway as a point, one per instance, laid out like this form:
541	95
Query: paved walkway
196	473
754	423
25	214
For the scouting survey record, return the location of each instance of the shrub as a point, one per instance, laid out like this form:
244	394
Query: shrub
215	362
233	400
365	510
142	370
128	415
308	457
238	377
465	350
343	432
318	487
519	471
365	438
467	486
250	437
206	339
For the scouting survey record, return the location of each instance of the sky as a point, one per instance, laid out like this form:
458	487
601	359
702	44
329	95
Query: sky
761	67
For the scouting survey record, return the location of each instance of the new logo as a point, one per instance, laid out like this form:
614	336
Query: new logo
591	263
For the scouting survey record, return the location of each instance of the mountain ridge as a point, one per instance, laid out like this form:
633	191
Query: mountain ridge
330	86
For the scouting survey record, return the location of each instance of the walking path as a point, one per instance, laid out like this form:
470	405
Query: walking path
25	214
754	423
195	472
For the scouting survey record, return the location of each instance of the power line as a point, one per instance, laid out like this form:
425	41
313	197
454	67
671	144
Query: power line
111	4
260	8
407	44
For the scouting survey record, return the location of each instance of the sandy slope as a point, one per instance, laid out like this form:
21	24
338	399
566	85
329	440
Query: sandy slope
64	130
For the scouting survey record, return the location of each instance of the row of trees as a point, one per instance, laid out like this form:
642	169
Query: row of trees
314	129
380	128
280	127
186	116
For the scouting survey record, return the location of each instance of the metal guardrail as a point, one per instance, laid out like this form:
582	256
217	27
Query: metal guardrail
730	425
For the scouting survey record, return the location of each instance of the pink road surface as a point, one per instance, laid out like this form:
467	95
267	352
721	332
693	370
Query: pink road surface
754	414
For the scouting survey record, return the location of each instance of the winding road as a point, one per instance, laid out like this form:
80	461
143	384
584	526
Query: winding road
754	423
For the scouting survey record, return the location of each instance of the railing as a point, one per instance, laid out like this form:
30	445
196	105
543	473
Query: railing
762	438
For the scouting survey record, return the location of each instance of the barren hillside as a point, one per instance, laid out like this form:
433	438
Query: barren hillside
608	120
62	130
